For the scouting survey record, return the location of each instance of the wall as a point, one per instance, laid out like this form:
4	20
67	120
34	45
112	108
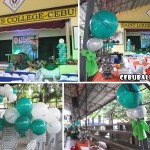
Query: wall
135	15
41	33
30	5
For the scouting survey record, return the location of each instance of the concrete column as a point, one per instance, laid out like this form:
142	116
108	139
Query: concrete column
99	120
68	39
93	121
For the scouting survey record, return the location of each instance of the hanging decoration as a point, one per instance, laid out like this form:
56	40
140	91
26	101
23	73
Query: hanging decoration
130	96
103	24
91	65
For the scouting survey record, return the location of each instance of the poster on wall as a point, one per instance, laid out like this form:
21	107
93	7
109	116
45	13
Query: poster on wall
26	44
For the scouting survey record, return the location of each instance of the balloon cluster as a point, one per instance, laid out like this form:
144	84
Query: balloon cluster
103	25
130	97
36	117
8	92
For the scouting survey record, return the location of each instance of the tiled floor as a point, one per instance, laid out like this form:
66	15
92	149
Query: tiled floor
69	143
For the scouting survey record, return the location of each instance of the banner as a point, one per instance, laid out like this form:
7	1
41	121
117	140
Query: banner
136	25
38	16
26	44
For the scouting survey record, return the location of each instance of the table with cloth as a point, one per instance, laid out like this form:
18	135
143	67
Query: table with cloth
84	146
140	63
99	77
10	79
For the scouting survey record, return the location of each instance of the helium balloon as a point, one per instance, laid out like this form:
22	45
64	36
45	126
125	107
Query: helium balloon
11	115
129	98
94	44
12	97
7	91
15	90
39	111
1	124
24	106
38	127
131	113
103	24
54	127
1	90
30	116
1	98
52	115
22	124
6	123
141	112
6	86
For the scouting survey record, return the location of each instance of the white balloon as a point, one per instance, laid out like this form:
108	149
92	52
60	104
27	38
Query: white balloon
54	127
39	111
94	44
12	97
131	113
53	114
2	90
6	86
8	91
141	112
11	115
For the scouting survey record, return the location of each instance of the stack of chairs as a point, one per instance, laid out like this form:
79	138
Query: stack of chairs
40	140
10	138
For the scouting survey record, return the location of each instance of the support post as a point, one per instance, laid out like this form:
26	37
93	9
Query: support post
68	38
87	35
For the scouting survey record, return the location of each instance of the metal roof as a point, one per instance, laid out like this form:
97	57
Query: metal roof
115	6
97	95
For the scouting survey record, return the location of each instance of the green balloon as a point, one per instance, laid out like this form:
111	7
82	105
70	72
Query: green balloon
38	127
103	24
30	116
111	44
1	98
77	122
6	123
15	90
127	98
22	124
1	124
24	106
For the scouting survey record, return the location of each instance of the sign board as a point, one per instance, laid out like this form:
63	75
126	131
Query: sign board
38	16
13	4
136	25
26	44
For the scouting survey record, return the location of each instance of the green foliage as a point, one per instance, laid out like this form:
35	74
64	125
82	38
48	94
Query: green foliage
47	93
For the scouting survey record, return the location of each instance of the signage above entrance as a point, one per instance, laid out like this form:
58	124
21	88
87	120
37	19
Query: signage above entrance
38	16
136	25
13	4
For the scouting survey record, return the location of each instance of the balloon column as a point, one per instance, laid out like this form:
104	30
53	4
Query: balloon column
26	116
130	97
103	25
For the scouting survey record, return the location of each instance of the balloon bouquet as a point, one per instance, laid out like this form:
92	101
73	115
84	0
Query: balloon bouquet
130	97
25	115
103	25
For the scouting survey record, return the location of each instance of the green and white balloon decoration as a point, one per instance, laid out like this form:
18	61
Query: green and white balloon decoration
26	115
130	97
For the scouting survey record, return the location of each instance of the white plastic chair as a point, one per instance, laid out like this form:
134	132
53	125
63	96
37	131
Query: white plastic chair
24	77
31	77
15	75
7	75
40	140
31	145
10	138
139	69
